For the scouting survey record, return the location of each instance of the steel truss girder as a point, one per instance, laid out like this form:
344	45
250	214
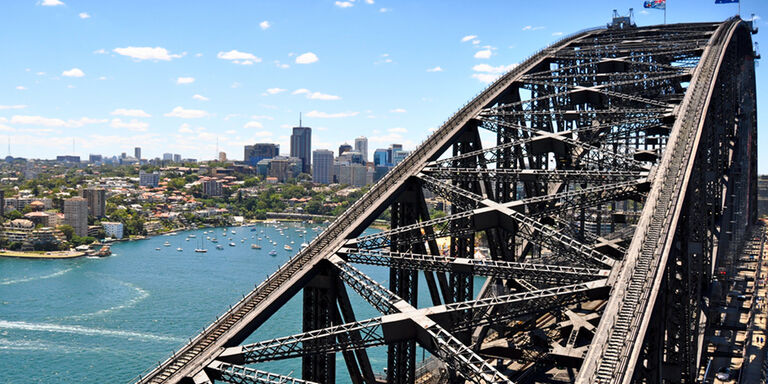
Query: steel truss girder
542	175
238	374
395	327
537	232
558	202
542	273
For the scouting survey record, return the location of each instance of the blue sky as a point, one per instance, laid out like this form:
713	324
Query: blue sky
173	76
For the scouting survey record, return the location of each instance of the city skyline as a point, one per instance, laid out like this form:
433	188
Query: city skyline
112	77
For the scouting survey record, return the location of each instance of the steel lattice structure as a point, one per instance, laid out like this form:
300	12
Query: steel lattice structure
622	173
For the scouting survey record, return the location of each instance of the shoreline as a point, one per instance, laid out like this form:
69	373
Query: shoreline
41	254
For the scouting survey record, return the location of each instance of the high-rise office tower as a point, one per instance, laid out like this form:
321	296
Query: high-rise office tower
344	148
137	153
322	168
361	145
97	199
260	151
301	146
76	215
380	157
167	156
177	158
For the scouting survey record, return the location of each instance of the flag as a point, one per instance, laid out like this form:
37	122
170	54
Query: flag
726	1
658	4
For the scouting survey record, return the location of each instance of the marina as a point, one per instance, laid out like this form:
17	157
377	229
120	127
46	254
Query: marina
114	309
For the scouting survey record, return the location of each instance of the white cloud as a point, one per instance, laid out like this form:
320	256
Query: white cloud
468	38
306	58
102	77
50	3
21	88
324	115
369	1
532	28
40	73
38	120
384	10
74	72
644	12
100	51
344	4
186	113
235	85
475	42
262	134
253	124
185	128
485	77
300	91
435	69
54	122
265	24
490	69
146	53
274	91
397	130
484	54
398	110
262	117
322	96
130	112
281	65
133	125
84	15
200	97
185	80
238	57
18	106
557	34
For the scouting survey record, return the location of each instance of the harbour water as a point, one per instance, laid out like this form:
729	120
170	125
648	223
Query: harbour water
105	320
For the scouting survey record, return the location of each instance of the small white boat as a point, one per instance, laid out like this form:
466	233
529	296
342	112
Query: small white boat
192	236
255	246
157	249
231	244
201	250
219	246
167	244
304	245
273	253
179	249
287	247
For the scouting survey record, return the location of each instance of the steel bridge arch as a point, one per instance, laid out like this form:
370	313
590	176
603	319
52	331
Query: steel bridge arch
623	173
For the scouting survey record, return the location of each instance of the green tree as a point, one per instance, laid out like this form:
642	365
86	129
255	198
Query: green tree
68	231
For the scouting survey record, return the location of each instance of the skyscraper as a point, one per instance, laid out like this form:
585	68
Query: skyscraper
380	157
301	146
322	170
76	215
137	153
260	151
96	198
361	145
344	148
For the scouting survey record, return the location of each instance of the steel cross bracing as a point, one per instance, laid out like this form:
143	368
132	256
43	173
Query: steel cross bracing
615	159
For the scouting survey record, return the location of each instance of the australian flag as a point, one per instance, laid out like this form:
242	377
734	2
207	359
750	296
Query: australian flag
726	1
658	4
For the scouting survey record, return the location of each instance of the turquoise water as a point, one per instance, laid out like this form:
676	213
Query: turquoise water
99	320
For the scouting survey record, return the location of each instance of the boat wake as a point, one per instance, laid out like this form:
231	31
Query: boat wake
79	330
33	278
140	296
